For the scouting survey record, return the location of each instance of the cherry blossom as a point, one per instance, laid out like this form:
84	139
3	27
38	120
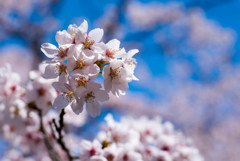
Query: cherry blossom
80	58
116	77
40	92
116	142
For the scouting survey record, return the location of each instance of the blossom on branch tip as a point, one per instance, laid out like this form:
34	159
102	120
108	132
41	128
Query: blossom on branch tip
80	58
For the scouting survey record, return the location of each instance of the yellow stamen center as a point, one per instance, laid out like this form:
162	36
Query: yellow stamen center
81	81
80	64
110	54
69	95
62	53
114	73
62	68
87	44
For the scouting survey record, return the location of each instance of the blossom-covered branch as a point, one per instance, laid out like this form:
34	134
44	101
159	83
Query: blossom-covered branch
78	60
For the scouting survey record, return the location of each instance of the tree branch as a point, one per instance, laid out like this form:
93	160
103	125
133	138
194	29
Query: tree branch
47	141
59	129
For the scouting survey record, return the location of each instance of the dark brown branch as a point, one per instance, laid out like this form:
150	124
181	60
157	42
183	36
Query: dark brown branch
47	141
59	139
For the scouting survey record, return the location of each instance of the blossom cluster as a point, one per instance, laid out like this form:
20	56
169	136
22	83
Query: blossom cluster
12	106
131	140
138	140
78	60
20	124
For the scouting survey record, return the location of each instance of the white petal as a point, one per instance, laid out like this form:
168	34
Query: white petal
32	75
92	71
132	52
93	86
96	34
71	63
84	27
50	72
77	106
123	86
49	50
63	37
107	84
80	37
106	71
85	144
135	78
80	91
115	92
61	102
61	87
113	44
89	55
93	108
63	77
116	63
98	48
72	29
101	95
121	53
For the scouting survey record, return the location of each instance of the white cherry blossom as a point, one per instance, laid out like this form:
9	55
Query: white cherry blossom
58	54
116	77
69	96
79	63
91	98
119	148
112	50
129	62
40	92
56	70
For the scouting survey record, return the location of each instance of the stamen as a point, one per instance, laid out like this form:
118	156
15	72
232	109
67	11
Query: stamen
62	53
114	73
87	44
80	64
62	68
69	95
89	97
110	54
81	81
74	38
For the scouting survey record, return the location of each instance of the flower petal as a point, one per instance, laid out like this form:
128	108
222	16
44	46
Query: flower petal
84	27
113	44
77	106
63	37
132	52
50	72
107	84
92	71
96	34
71	63
49	50
61	87
61	102
72	29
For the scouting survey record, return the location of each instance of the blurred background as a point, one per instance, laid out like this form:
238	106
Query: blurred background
188	65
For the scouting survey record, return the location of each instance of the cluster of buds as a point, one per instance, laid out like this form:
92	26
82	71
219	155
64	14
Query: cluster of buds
76	63
139	140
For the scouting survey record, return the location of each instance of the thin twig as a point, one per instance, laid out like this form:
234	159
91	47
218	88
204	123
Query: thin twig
59	129
47	141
